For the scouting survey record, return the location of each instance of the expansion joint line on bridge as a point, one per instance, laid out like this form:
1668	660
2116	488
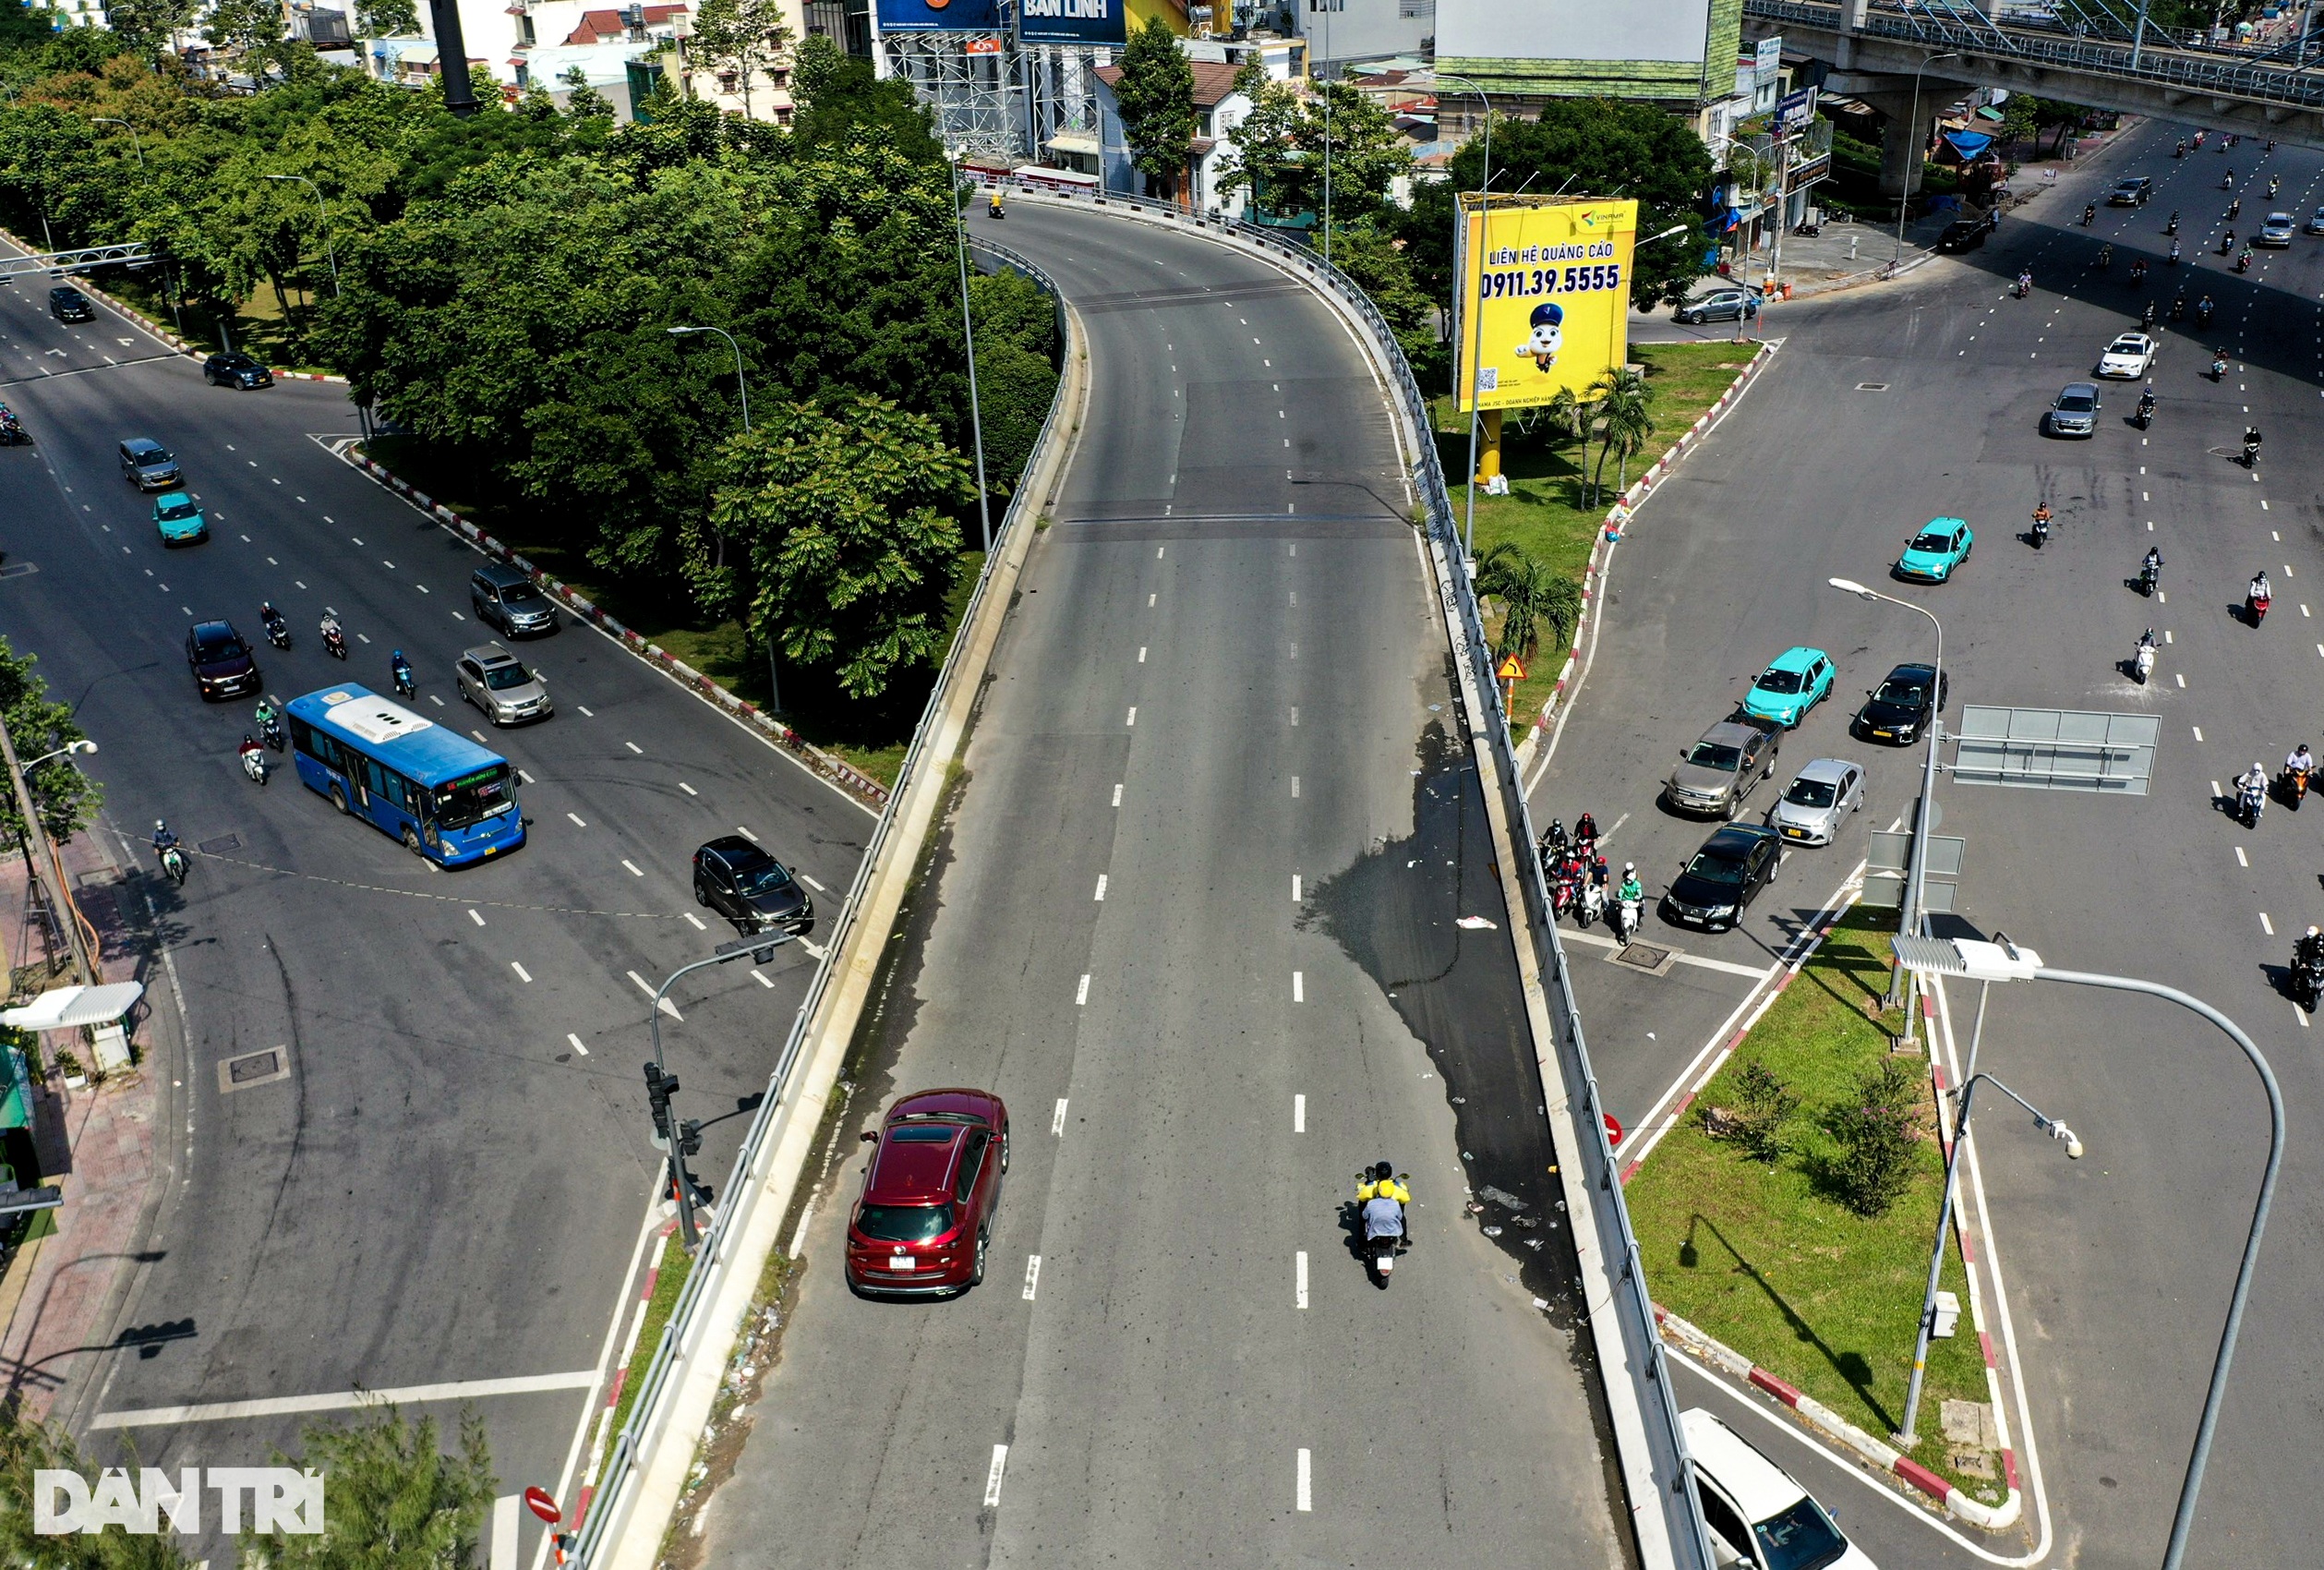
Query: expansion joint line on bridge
443	898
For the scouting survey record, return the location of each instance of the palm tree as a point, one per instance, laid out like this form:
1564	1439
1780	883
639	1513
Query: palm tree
1572	417
1522	583
1625	418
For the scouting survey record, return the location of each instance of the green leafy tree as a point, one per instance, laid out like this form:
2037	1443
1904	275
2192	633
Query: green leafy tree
846	520
28	1447
393	1499
251	29
1016	370
66	799
742	38
1601	148
1879	1134
1155	97
1764	1104
1375	261
840	103
386	18
1522	583
582	100
145	25
2019	118
1278	153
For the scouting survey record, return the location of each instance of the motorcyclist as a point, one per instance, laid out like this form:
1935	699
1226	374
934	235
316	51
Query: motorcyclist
2308	947
402	669
1630	889
2146	318
2260	589
330	629
2219	364
2025	282
2235	207
1585	831
268	614
265	716
994	204
2274	182
2145	403
2041	516
2089	213
2251	442
2150	569
2227	242
250	745
2175	261
2252	782
1383	1202
164	839
2302	762
2106	255
2180	151
2138	269
2172	227
2203	309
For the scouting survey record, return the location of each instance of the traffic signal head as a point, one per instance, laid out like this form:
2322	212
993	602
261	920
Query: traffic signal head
689	1137
659	1088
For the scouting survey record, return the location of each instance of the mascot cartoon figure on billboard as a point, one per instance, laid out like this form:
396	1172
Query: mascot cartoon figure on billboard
1548	336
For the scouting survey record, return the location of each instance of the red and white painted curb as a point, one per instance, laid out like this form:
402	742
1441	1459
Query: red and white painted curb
615	1385
837	770
1878	1453
1603	547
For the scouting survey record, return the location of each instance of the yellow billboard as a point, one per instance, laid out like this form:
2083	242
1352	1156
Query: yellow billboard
1544	297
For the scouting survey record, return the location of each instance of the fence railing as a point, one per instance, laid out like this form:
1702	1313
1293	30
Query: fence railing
715	1259
1601	1185
2225	71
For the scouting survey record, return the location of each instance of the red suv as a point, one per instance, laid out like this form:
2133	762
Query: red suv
929	1192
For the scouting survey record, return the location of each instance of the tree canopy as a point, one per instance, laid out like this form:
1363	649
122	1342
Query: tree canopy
1155	96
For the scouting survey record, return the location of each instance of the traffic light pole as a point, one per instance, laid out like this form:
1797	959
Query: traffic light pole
660	1086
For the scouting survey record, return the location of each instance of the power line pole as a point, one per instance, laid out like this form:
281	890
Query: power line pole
38	852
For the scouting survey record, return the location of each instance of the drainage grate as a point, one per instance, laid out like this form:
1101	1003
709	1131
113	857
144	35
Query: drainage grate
1646	956
1871	387
253	1069
221	845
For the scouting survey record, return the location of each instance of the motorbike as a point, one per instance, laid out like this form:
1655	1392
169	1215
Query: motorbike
2227	243
404	687
2256	609
2146	413
174	863
2138	270
2219	368
1806	229
2242	263
2203	314
2146	318
2173	258
994	207
1625	918
278	633
2089	214
2295	787
2251	451
2227	182
2149	576
2179	152
2142	661
2172	227
2272	185
2178	308
2235	207
2308	980
1593	905
2105	256
271	732
2250	802
2040	530
254	763
334	643
11	429
1383	1231
2023	285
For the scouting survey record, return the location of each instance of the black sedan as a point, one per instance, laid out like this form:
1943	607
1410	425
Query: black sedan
68	304
235	370
223	664
1713	889
751	889
1899	709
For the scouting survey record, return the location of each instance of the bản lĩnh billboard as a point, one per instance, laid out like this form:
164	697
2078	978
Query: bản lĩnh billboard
1544	297
941	16
1074	22
1642	49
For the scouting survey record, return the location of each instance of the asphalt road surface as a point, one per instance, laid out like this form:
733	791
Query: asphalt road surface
1195	920
450	1185
1888	406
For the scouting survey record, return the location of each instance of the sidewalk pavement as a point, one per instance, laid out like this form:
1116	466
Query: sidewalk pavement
97	1141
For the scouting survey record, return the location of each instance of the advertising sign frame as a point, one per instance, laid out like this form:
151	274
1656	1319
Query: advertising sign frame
1555	282
940	16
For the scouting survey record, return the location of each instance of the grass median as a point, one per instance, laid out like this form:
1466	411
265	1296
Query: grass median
1771	1259
1551	512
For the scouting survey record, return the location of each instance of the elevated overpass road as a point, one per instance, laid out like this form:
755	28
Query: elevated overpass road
1195	918
2118	1267
449	1186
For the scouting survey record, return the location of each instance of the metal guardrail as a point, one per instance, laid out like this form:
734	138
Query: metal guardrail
1600	1184
715	1257
2222	71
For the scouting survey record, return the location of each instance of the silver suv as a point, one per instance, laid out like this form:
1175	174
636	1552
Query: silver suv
2074	412
1717	772
507	598
509	691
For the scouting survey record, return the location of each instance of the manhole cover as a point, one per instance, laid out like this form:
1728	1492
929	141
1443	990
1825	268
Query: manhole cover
1646	956
1871	387
253	1069
221	845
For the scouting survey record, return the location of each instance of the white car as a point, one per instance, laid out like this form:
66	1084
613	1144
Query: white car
2130	356
2276	231
1759	1517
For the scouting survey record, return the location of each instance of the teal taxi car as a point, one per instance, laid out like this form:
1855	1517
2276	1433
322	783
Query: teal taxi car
179	520
1797	680
1930	555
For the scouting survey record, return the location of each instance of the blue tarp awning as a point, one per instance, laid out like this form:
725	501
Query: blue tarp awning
1968	144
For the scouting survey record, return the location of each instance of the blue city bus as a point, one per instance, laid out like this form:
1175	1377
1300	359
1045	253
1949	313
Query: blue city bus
444	796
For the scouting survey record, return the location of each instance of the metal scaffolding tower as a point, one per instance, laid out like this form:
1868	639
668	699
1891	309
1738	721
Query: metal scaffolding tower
972	82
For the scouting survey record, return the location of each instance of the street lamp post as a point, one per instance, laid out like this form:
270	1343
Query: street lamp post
758	951
967	334
1912	167
42	857
134	145
1909	916
1477	331
328	255
2003	961
742	392
2050	1126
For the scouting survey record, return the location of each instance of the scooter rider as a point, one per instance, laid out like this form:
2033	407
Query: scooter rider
2309	948
2145	403
162	839
2042	521
2255	782
1630	889
2261	591
2150	569
402	669
1384	1203
2251	443
2301	761
1584	833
